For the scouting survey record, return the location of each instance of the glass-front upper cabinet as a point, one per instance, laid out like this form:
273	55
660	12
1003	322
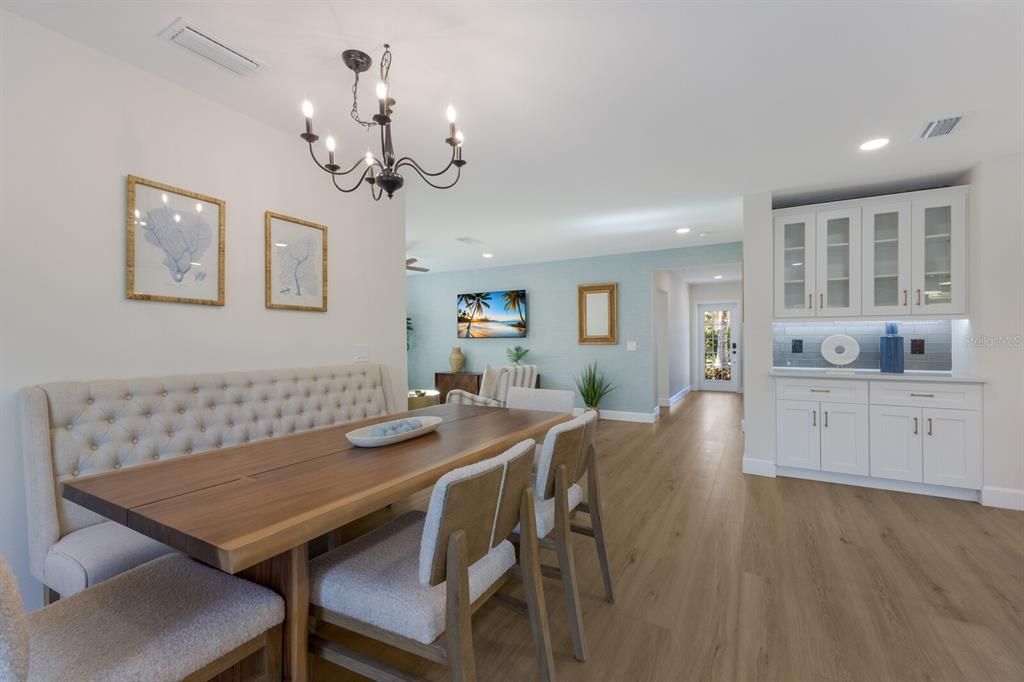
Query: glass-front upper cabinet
886	259
794	266
838	265
939	264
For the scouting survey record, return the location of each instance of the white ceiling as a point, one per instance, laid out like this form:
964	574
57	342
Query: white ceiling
601	127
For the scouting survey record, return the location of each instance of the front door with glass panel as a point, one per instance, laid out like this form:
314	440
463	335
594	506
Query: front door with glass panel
719	352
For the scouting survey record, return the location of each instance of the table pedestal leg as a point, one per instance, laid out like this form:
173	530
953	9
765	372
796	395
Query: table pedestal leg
288	575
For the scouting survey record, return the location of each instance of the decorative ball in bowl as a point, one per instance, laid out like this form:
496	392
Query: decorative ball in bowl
388	433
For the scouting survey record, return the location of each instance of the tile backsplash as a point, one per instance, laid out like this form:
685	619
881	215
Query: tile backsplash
936	334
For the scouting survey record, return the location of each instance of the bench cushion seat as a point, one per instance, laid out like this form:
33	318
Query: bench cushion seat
375	579
89	556
158	622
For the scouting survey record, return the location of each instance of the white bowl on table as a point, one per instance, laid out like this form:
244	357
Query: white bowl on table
364	437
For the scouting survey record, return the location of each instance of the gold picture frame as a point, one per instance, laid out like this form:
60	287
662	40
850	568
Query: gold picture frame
177	235
285	294
597	306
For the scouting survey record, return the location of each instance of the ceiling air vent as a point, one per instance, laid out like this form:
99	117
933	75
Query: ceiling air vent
469	240
943	126
205	45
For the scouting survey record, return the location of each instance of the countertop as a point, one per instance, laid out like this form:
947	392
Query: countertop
873	375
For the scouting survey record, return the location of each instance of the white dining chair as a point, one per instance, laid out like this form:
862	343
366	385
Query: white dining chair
569	452
415	582
166	620
546	399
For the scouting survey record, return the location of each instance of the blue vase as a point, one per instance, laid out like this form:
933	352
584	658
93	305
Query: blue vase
890	348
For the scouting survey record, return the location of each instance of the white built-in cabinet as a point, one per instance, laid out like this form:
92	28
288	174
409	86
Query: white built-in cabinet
886	256
920	432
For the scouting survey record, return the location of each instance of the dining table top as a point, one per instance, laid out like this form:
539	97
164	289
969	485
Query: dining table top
235	507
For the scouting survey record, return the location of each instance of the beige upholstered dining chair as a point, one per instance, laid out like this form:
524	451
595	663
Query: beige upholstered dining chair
415	582
495	385
167	620
569	452
545	399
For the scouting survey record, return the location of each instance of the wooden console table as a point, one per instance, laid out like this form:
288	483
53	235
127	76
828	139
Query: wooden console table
449	381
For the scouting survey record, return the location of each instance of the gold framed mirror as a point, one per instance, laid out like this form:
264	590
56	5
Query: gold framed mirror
598	313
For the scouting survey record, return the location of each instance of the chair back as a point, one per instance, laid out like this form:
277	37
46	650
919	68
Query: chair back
13	629
524	376
545	399
563	446
482	500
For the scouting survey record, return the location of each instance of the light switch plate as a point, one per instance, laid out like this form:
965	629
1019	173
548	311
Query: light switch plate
362	352
630	345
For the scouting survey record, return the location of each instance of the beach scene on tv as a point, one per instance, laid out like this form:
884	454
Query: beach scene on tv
494	314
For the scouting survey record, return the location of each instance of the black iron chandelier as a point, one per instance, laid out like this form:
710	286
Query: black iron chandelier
381	174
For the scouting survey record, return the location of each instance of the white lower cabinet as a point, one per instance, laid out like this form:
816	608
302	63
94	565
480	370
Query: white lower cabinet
799	444
896	442
823	436
844	438
952	447
895	430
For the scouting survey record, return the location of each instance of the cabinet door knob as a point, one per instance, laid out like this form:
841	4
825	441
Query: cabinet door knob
929	426
915	426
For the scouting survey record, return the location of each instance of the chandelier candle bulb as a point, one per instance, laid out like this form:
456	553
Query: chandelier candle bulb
307	112
451	121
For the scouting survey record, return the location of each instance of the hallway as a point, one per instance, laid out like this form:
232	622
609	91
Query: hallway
721	576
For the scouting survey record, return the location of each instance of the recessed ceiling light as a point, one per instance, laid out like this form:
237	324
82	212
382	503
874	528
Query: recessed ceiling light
488	255
872	145
682	230
281	245
718	277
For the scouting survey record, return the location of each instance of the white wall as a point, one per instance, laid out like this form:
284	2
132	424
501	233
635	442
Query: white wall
717	292
994	347
758	391
671	335
74	123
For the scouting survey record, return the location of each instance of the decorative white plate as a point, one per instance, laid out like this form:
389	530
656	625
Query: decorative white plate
840	349
364	437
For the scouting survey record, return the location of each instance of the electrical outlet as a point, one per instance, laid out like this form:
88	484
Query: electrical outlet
362	352
798	346
917	346
630	345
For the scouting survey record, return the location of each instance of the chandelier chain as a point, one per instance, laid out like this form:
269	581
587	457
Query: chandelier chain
385	76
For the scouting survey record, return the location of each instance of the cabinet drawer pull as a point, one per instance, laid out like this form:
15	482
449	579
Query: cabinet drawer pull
929	426
814	418
915	426
821	390
922	395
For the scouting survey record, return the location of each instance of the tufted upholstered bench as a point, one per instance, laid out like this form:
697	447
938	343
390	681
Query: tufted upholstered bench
74	429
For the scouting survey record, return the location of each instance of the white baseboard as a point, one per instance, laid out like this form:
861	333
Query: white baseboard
758	467
880	483
1005	498
621	416
676	398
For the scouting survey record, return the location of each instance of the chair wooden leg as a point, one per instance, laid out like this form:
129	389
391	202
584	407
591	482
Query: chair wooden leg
597	524
272	659
459	610
563	540
529	562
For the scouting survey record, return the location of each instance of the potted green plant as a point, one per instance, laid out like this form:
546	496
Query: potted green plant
516	354
593	387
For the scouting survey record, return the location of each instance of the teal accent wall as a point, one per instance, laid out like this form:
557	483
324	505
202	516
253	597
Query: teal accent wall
552	323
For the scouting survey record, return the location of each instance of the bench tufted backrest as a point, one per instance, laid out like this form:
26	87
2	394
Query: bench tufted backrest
74	429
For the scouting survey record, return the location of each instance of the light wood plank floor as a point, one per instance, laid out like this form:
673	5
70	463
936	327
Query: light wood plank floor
721	576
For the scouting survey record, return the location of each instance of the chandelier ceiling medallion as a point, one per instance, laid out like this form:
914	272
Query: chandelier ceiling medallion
381	173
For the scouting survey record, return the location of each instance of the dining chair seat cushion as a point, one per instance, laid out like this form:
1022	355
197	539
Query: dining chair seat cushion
161	621
375	580
92	554
545	510
13	628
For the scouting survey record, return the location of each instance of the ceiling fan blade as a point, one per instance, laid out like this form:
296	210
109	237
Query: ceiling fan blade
410	261
416	269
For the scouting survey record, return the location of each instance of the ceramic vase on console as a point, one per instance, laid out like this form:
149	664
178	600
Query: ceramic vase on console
457	360
890	350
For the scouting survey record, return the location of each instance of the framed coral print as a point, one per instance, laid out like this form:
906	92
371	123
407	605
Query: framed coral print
175	244
296	266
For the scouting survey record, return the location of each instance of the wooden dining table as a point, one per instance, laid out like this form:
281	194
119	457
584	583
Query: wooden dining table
252	509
